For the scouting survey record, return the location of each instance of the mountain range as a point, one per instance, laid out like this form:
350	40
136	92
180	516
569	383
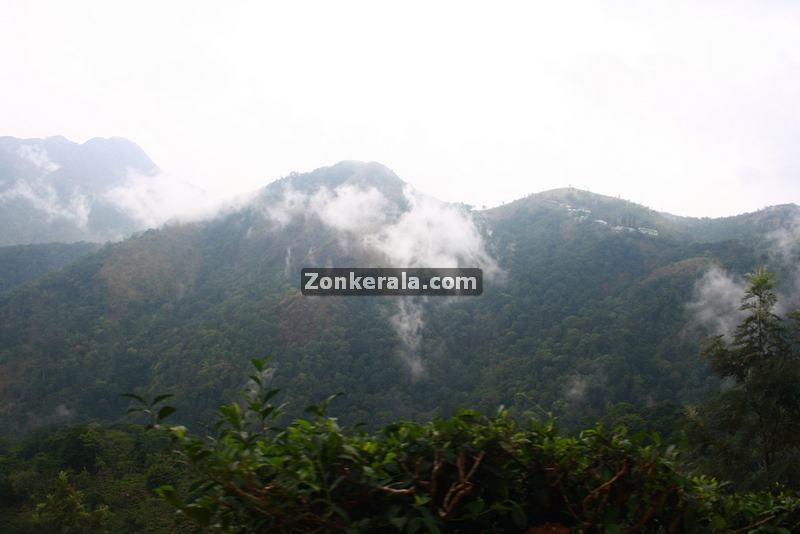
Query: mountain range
55	190
589	301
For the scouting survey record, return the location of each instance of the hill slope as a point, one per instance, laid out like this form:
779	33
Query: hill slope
21	263
576	314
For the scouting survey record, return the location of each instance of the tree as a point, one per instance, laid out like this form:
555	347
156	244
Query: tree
467	473
752	429
66	511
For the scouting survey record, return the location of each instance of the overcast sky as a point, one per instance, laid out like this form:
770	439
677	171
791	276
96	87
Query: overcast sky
691	108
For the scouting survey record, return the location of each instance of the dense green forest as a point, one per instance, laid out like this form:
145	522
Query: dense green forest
573	307
256	470
583	316
590	343
21	263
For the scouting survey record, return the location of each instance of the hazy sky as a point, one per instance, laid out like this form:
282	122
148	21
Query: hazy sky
692	108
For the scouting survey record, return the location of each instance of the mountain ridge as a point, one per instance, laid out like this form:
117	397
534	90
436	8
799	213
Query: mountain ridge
52	189
586	316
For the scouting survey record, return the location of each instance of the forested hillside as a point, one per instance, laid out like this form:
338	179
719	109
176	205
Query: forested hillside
20	263
589	301
552	285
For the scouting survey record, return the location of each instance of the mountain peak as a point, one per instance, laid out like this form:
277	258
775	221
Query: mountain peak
98	158
54	189
361	174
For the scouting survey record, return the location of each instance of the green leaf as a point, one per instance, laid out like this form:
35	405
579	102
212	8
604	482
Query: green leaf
169	494
518	515
314	409
718	523
162	397
164	412
198	513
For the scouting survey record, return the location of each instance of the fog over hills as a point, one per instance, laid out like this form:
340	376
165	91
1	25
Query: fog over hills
588	301
53	189
362	267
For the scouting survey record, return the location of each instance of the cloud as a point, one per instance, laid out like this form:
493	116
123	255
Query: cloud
150	200
62	411
576	388
718	294
715	302
75	208
428	233
351	209
38	190
432	233
621	92
153	200
287	263
784	253
292	204
38	158
408	324
347	208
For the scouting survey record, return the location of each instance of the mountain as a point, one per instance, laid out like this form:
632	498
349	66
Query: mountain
21	263
55	190
588	302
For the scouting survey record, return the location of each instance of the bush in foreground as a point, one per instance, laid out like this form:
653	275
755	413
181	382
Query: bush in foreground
468	473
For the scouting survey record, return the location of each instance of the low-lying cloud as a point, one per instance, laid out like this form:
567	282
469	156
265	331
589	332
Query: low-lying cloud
716	300
149	200
427	233
38	158
347	208
44	198
408	324
433	234
718	294
153	200
784	251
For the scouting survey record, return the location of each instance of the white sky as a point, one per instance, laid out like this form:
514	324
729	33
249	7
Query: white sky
691	108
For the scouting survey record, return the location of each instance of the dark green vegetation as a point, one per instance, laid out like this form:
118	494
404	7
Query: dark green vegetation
586	318
587	322
466	473
20	263
495	474
750	433
87	479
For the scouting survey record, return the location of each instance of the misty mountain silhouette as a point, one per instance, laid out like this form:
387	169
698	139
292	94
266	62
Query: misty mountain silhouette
55	190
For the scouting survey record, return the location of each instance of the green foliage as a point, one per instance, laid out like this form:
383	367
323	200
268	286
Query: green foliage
87	477
65	511
150	408
750	433
590	324
21	263
465	473
587	318
663	419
